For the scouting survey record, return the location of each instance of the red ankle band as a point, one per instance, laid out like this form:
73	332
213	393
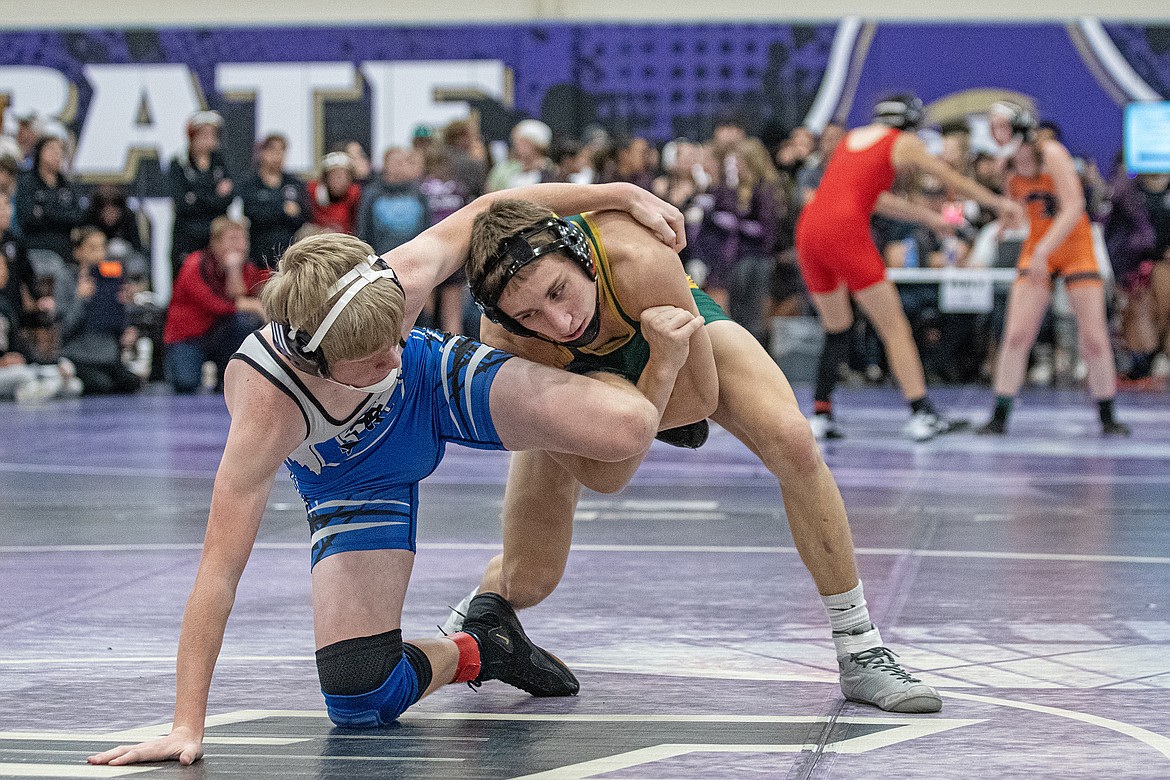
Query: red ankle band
823	407
468	667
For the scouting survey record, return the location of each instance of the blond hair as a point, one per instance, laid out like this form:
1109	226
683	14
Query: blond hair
224	223
502	220
297	294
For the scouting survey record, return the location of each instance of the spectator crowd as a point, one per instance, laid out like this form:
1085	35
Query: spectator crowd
77	315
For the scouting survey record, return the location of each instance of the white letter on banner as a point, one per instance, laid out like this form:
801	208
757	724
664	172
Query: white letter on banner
289	98
405	94
135	110
34	88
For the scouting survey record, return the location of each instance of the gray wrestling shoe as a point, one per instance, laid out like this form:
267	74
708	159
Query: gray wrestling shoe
924	426
874	677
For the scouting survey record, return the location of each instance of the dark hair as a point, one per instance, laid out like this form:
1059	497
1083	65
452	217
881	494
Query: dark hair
108	195
42	142
1048	124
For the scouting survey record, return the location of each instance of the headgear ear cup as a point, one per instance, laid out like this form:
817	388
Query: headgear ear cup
905	112
303	349
1022	120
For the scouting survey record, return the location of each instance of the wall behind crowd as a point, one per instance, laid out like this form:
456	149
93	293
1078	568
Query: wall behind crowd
126	93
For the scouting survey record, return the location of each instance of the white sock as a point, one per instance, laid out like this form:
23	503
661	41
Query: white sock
853	631
454	620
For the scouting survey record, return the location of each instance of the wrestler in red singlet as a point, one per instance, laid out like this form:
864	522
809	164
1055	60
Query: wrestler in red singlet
833	240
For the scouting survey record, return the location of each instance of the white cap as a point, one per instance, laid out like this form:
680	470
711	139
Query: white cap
337	160
200	118
535	131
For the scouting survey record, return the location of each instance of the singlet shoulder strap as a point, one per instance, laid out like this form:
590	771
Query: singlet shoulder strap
259	354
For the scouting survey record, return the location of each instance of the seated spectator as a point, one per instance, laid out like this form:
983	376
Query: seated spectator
25	302
394	209
335	197
94	330
214	306
20	379
528	161
275	203
29	128
569	157
110	212
684	184
200	186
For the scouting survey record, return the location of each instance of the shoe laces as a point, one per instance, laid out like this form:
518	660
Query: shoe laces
882	659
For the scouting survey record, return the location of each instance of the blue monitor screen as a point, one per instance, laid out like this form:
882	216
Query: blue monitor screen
1147	137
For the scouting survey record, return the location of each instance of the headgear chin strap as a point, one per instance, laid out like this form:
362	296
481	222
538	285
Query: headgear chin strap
516	251
303	349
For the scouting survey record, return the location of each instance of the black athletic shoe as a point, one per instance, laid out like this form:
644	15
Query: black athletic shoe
1115	429
993	427
508	655
690	436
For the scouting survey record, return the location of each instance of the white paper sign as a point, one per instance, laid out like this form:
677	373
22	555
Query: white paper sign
965	295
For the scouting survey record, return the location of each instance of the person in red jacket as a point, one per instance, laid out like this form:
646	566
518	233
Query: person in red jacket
839	261
334	198
214	306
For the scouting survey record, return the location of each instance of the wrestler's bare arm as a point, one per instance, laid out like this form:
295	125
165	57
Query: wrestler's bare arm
266	427
441	250
648	274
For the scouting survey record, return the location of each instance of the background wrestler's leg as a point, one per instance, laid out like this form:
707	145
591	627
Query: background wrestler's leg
539	502
883	308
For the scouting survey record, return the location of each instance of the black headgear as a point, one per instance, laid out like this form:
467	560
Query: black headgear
303	349
904	112
1022	120
517	251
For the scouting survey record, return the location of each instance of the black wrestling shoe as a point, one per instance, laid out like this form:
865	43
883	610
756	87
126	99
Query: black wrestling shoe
1115	428
993	427
690	436
508	655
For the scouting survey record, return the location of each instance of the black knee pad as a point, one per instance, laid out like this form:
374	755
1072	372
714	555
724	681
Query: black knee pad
371	680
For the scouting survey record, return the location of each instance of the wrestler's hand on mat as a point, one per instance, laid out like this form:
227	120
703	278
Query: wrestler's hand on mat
668	331
659	216
180	745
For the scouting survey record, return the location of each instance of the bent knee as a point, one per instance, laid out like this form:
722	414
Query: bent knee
792	448
369	681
